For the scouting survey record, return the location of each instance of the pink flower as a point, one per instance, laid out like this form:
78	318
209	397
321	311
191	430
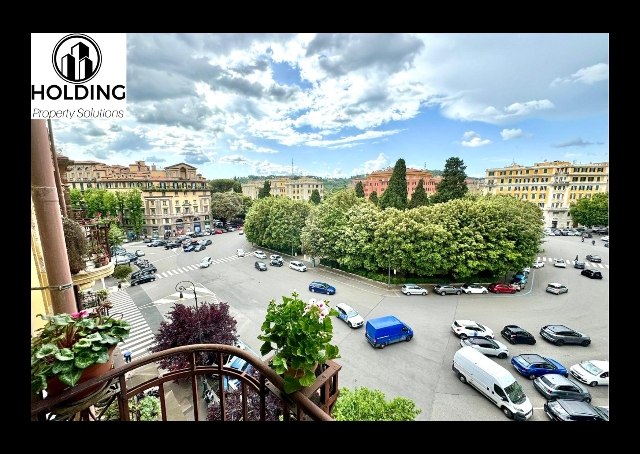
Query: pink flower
80	314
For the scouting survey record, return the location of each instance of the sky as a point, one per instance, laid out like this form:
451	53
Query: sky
338	105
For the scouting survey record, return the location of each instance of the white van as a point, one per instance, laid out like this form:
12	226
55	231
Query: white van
493	381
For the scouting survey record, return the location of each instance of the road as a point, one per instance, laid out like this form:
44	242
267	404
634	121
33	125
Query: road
420	369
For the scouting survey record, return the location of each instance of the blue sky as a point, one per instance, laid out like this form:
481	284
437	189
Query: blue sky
340	105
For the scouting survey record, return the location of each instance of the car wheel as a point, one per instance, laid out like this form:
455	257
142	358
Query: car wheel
593	384
383	345
587	400
458	292
408	338
424	293
350	325
502	355
408	293
532	342
585	343
443	293
560	343
484	292
313	291
463	336
507	412
513	291
532	377
462	378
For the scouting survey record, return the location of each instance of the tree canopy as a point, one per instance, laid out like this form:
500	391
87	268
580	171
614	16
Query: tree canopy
225	185
265	191
359	189
395	196
373	197
226	205
315	197
363	404
452	186
591	211
419	197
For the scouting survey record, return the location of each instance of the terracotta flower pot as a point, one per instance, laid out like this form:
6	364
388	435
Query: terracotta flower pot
56	387
298	373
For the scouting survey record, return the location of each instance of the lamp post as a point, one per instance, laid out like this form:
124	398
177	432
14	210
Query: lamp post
180	287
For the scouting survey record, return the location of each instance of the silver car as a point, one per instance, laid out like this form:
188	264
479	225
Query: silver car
488	347
413	289
556	386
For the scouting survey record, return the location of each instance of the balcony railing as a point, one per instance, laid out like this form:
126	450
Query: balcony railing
313	403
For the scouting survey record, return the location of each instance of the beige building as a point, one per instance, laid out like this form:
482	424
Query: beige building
379	180
176	198
553	186
294	188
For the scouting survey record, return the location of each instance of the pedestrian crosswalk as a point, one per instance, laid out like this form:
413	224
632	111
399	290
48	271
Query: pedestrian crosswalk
572	262
187	268
140	337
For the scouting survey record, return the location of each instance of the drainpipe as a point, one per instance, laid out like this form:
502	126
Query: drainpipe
61	202
44	195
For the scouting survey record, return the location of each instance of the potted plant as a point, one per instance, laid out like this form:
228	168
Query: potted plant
299	333
70	345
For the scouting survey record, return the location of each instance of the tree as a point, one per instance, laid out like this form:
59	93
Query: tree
315	197
265	191
77	199
395	196
133	203
225	185
452	186
226	205
122	272
373	197
276	222
216	324
359	189
419	197
364	404
591	211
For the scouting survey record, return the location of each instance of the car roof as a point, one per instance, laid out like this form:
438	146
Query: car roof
576	407
533	358
477	340
514	328
558	328
319	282
205	259
558	379
601	363
555	284
345	306
466	322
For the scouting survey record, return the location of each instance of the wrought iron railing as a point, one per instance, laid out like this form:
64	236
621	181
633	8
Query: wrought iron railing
312	403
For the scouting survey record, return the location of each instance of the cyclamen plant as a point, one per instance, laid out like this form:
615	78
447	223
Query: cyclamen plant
299	333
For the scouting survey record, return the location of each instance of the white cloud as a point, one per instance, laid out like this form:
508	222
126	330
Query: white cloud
589	75
508	134
473	139
381	162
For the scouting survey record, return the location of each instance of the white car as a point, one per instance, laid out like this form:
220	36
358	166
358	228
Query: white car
488	347
593	372
260	255
298	266
349	315
537	264
605	238
474	288
240	252
275	257
469	328
559	263
205	262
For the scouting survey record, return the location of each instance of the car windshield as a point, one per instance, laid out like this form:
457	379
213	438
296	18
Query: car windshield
483	328
351	313
591	368
515	393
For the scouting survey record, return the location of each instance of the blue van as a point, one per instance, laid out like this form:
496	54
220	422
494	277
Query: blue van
386	330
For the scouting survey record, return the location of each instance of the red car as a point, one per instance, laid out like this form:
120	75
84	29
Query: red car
498	287
218	232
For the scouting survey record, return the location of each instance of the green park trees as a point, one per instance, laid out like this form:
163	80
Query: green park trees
452	186
363	404
591	211
225	185
419	197
395	196
226	205
265	191
359	189
315	197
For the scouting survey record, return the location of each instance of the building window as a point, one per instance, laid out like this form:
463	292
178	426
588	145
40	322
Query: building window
165	211
164	203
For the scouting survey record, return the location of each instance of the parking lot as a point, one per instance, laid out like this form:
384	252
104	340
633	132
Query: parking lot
420	369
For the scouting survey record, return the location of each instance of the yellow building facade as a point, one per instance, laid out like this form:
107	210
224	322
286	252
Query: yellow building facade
553	186
293	188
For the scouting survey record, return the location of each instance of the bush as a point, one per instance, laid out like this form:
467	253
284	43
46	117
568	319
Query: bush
364	404
122	272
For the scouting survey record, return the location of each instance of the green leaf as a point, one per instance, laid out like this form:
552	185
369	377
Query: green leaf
70	378
291	384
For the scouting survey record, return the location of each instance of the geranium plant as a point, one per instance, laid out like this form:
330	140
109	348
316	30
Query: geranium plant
69	343
299	333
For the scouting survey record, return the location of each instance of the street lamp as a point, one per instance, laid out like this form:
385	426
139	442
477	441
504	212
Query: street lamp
180	287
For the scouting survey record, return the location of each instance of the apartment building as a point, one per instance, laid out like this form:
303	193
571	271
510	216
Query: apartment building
293	188
553	186
379	180
176	199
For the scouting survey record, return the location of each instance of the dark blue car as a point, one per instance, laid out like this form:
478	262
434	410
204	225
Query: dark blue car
189	248
322	287
532	366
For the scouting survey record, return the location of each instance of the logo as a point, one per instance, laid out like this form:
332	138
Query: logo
71	81
77	58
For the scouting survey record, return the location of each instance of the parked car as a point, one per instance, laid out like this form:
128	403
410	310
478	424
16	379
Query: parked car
556	288
260	266
199	247
143	279
157	243
487	347
118	251
276	262
260	255
516	335
469	328
559	263
522	274
532	365
574	410
606	244
446	289
537	264
586	235
591	372
218	232
275	257
189	248
241	232
555	386
205	262
591	273
240	252
519	283
474	288
322	287
298	266
579	264
147	240
413	289
139	253
498	287
148	270
349	315
205	241
594	258
172	245
605	238
560	335
235	362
